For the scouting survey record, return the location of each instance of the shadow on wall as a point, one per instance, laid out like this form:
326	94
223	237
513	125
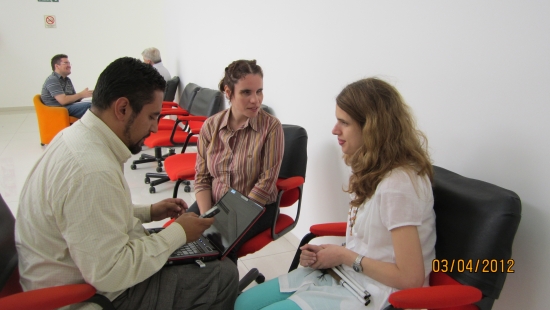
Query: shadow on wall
532	219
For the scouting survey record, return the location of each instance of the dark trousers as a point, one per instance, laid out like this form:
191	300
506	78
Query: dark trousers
185	287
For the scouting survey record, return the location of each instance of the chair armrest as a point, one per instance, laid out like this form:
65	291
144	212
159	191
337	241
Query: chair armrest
169	104
48	298
195	128
337	229
290	183
192	118
442	296
170	111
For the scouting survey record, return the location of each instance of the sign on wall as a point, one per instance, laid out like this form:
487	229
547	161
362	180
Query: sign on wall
50	21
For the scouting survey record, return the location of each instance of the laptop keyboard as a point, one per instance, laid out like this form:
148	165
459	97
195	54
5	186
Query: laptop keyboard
187	249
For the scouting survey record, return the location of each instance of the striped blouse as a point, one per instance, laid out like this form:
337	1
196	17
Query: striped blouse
247	159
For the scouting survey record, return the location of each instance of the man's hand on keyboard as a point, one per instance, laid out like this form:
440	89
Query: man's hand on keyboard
193	225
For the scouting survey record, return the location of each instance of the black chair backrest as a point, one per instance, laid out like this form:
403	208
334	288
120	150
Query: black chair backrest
171	87
268	109
188	95
207	102
475	221
8	253
295	155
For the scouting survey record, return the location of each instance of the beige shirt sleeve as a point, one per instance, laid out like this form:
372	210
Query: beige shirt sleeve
106	240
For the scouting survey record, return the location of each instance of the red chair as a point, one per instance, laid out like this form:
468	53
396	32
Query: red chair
166	124
475	221
181	109
206	103
12	296
179	167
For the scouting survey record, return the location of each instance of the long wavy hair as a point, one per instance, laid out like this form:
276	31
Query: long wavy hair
390	137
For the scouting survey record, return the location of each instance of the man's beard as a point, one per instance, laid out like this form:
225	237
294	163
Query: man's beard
136	147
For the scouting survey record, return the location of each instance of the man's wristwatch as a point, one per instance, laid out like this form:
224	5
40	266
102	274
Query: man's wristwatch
357	264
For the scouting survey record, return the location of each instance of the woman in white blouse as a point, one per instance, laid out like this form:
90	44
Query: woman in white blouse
390	234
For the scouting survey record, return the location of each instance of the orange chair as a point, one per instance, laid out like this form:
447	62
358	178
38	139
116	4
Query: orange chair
51	120
12	296
475	224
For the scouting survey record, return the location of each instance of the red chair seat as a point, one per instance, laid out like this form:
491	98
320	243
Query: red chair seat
436	297
48	298
181	166
162	138
264	238
166	124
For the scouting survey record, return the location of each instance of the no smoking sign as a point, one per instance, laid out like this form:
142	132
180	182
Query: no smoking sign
50	21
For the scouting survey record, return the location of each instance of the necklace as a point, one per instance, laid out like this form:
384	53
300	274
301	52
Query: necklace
352	214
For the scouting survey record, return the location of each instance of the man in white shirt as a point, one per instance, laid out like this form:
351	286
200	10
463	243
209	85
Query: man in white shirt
76	222
151	56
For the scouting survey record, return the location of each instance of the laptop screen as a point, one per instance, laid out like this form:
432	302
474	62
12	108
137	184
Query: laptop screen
237	213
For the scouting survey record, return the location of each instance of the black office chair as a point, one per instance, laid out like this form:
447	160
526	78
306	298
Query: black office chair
476	223
11	293
290	186
171	88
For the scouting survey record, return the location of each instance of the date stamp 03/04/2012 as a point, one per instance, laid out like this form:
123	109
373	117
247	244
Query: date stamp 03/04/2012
473	265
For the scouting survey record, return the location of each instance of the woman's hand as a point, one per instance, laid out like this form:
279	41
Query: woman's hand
309	256
322	256
170	207
329	255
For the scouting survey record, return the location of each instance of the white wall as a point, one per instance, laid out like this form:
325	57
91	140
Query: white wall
475	73
91	33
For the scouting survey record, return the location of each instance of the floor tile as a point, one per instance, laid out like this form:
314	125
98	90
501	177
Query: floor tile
271	266
278	246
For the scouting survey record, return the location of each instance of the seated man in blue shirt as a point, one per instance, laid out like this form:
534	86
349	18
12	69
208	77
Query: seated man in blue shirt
58	90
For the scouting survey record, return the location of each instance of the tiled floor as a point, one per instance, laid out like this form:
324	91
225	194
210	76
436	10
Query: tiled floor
20	148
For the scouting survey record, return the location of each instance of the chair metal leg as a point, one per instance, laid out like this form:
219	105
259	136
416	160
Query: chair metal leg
252	275
176	187
102	301
161	178
158	157
307	238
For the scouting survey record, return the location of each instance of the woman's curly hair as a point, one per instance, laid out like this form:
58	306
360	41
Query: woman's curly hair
390	137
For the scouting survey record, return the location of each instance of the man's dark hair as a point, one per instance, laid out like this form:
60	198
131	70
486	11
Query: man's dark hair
56	60
127	77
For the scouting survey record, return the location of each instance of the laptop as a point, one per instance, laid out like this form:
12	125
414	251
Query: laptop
237	214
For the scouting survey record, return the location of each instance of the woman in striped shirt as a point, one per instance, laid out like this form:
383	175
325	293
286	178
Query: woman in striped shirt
240	147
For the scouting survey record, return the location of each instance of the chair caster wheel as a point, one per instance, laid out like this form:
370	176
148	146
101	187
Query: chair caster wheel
187	189
147	180
159	169
260	278
187	182
133	167
152	190
172	151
